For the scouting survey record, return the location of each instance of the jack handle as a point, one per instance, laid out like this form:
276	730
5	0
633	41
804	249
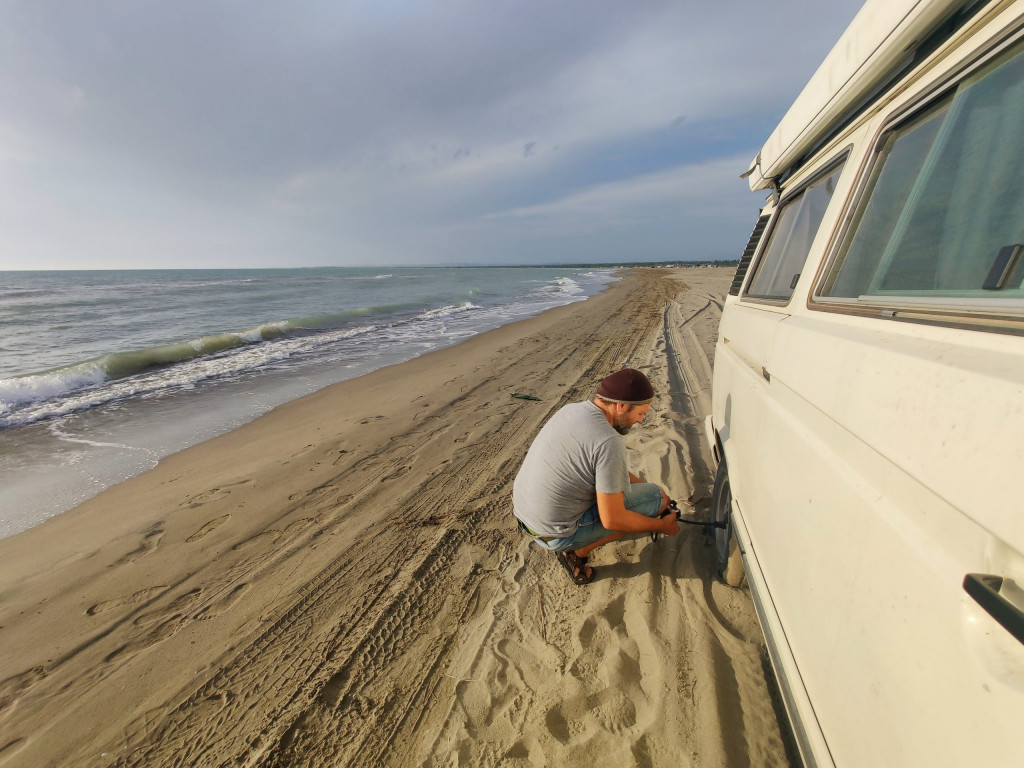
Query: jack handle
673	508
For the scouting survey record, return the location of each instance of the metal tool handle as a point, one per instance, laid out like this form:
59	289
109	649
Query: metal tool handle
673	508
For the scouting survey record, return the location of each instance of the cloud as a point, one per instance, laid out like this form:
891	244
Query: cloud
687	185
230	132
675	213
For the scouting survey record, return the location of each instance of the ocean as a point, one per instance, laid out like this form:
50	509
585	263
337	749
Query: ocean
103	373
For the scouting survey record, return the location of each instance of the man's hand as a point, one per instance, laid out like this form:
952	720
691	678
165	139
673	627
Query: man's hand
611	507
669	526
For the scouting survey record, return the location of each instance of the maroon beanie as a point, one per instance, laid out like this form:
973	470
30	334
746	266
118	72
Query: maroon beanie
627	386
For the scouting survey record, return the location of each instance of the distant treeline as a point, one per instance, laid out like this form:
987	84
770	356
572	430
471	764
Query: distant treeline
626	265
620	265
683	264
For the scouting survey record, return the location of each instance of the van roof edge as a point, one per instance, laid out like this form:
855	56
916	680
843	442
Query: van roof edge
874	45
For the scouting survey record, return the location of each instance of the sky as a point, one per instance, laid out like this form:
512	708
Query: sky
248	133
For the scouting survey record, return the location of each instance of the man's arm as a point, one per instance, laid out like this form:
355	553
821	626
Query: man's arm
611	508
634	479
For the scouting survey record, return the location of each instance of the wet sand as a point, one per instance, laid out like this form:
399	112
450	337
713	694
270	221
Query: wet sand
341	583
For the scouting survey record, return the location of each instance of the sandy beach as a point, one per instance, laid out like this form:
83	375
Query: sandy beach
341	583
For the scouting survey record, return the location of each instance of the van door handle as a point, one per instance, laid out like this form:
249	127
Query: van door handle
987	592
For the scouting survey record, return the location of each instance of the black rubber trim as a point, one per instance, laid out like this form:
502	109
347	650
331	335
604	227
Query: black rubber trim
1002	266
984	588
748	255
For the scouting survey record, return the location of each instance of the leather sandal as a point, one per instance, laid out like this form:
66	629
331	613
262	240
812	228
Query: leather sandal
576	567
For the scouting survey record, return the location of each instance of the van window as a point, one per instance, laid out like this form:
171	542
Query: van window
790	240
943	214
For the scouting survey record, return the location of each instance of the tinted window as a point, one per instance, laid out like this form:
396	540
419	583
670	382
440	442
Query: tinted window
945	203
791	237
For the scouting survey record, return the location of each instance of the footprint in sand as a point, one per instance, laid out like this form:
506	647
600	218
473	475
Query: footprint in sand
206	497
208	528
12	688
575	720
557	725
161	633
173	616
294	529
271	534
396	474
136	597
222	604
211	495
211	705
314	494
281	537
150	541
173	608
615	711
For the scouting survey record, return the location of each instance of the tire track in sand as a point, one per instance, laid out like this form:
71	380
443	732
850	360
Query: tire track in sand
357	640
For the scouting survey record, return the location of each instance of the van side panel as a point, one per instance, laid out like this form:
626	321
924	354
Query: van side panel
871	506
745	338
872	421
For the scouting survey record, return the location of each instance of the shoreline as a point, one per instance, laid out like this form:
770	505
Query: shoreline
480	338
338	582
53	465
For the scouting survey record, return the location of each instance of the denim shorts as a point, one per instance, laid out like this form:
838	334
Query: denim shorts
643	498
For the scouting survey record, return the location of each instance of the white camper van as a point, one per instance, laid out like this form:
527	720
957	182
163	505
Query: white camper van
868	403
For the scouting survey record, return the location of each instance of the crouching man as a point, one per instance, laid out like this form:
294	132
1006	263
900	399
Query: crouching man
574	491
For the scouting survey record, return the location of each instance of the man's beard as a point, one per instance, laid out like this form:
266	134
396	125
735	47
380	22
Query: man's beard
623	430
620	426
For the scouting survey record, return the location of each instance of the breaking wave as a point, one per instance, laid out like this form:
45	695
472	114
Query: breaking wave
115	375
181	365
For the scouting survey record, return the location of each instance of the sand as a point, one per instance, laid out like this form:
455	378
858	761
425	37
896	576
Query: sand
341	583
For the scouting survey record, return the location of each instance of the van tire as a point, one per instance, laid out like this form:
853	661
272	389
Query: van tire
728	560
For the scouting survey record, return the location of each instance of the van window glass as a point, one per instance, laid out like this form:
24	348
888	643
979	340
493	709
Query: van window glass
944	207
790	240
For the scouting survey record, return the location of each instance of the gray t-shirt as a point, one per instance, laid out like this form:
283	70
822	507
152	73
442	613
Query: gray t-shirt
576	454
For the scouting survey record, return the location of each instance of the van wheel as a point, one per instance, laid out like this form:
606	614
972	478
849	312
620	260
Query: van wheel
728	560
